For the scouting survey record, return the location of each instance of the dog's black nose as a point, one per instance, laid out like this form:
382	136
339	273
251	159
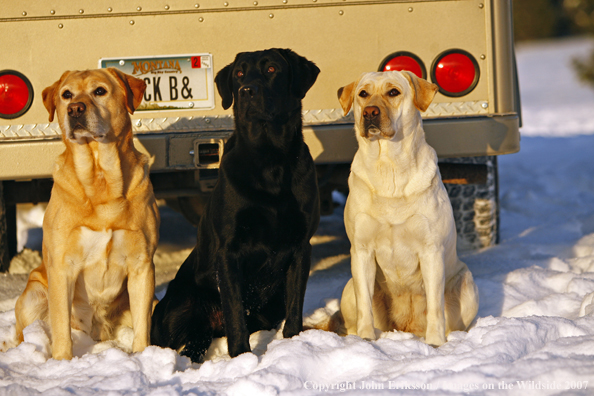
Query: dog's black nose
76	109
371	112
248	91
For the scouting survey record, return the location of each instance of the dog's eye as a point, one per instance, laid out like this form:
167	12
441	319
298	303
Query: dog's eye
394	92
100	91
363	94
67	95
239	74
271	69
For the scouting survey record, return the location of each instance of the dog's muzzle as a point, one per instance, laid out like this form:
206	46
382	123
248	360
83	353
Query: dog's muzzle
251	102
371	120
78	123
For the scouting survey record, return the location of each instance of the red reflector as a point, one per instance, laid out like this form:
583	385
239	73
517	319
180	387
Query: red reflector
16	94
404	61
455	72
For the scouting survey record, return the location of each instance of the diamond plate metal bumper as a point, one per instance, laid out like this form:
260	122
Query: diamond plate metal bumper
225	123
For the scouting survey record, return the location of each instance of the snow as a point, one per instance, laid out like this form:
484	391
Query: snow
534	334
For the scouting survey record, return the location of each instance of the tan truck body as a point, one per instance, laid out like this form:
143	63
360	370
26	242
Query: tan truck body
41	39
344	38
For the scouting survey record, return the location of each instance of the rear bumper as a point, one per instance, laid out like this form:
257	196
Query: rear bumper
476	136
329	144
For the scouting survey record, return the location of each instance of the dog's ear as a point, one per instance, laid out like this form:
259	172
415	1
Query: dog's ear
224	83
303	72
345	96
133	87
423	90
49	96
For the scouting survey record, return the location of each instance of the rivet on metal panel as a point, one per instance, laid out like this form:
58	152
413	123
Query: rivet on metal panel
24	13
255	3
109	9
226	4
483	57
81	11
131	22
285	1
52	12
196	5
341	12
166	7
139	123
270	16
139	8
60	26
122	62
315	1
410	9
207	120
481	5
191	105
200	19
485	105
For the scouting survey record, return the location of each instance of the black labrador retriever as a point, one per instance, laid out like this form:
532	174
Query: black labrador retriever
250	266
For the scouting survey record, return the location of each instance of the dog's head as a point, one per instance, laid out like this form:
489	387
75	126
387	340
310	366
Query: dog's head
385	102
93	104
265	84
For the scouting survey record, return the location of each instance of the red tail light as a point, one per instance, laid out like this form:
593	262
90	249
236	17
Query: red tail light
404	61
456	72
16	94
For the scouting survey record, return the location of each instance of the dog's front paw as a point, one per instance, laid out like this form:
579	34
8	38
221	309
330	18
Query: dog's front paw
435	340
237	348
64	355
139	345
368	334
194	350
292	328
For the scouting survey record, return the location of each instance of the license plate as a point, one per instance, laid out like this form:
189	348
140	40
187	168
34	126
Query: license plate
173	82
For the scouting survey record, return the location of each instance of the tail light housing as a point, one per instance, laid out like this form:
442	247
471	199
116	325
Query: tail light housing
16	94
455	72
404	60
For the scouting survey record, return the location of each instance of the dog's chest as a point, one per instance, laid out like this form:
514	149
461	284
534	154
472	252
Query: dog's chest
273	226
102	261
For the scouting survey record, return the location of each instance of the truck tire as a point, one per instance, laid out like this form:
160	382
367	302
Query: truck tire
476	206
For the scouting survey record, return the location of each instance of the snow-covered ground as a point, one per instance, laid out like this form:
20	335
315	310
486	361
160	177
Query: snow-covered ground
535	328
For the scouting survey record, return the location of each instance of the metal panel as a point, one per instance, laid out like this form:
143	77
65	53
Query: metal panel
324	31
328	32
504	57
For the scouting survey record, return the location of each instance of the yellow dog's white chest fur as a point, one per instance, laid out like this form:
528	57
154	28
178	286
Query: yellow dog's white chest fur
102	262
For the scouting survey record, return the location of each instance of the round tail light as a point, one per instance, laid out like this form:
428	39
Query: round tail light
16	94
455	72
404	61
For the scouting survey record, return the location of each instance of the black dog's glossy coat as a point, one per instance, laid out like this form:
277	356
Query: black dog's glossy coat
249	269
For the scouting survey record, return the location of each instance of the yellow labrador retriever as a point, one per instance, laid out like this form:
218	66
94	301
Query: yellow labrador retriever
100	229
398	217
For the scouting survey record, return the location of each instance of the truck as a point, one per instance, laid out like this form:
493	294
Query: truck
177	46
